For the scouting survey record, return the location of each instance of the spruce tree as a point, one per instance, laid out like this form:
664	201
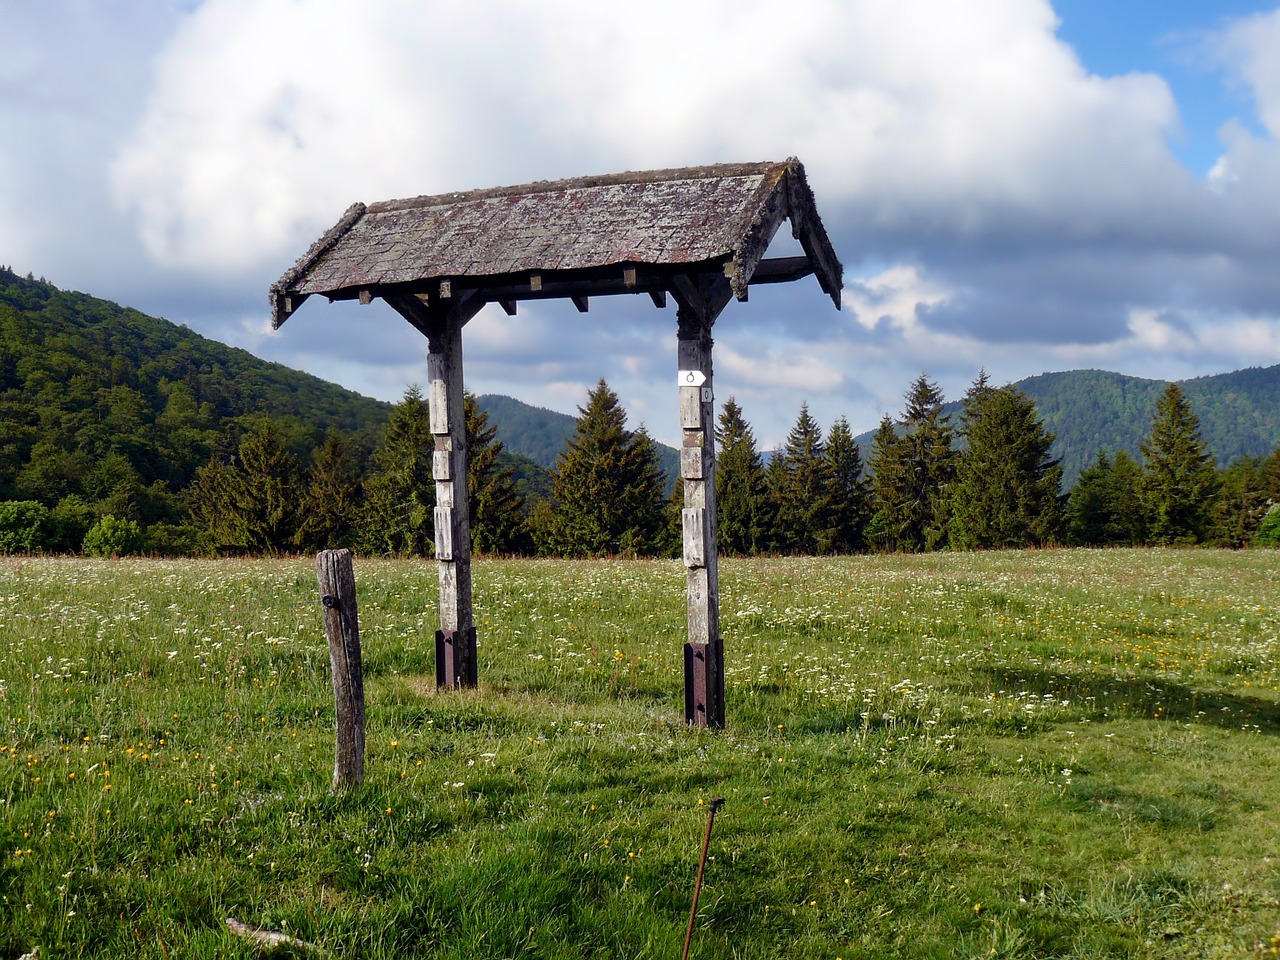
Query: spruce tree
1006	484
400	493
1085	518
608	485
498	523
886	530
1179	478
1271	476
1105	507
803	490
254	503
916	498
740	484
334	496
1241	502
847	491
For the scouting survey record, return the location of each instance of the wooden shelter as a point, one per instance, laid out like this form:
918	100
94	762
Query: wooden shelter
697	235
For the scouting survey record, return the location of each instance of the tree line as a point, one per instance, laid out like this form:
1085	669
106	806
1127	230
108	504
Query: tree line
985	481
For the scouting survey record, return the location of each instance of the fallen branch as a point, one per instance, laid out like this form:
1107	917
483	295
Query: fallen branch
268	940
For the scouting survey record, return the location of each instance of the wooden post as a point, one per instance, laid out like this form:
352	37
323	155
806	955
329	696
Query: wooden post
441	320
456	638
704	653
338	596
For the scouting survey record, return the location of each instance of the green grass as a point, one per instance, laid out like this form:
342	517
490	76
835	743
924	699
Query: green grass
1050	754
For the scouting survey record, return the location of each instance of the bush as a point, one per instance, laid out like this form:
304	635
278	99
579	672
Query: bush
111	537
175	540
1268	534
25	527
72	518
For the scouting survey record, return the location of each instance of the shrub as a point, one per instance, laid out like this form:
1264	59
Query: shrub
72	518
175	540
111	537
1268	534
25	527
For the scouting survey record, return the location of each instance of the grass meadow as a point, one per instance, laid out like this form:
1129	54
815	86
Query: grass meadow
1066	754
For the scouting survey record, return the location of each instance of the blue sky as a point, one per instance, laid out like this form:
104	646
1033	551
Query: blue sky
1016	185
1167	39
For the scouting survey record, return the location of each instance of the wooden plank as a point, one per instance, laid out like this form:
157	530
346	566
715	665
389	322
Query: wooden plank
659	298
442	465
693	522
691	462
582	303
438	401
508	307
691	408
336	579
444	533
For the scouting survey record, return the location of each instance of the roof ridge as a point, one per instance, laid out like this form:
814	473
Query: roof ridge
672	175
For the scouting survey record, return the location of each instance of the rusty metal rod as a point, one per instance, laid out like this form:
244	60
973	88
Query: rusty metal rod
702	866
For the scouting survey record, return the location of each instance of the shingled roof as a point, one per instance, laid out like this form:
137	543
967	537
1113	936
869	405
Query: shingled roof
580	233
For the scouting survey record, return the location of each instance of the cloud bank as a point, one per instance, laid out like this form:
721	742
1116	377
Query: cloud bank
995	203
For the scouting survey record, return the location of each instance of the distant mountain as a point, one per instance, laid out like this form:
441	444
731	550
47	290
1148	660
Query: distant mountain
541	434
1094	410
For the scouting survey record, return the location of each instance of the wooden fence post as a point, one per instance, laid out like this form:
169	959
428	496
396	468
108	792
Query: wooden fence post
338	596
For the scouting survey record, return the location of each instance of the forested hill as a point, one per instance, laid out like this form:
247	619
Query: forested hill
1093	410
96	398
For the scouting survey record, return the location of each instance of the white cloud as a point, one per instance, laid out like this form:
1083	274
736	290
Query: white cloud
994	202
269	116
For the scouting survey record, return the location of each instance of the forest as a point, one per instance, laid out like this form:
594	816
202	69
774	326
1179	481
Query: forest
125	434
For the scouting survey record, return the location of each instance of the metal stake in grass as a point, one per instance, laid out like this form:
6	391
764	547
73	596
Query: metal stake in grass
702	866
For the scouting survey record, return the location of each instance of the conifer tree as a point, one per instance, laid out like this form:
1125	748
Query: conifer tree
1241	502
802	491
1271	476
885	530
1086	519
1179	478
1006	484
400	493
912	499
498	523
609	485
254	503
847	492
334	496
1105	507
740	484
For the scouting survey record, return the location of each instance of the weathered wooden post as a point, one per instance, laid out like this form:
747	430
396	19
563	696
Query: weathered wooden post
456	639
440	317
704	653
338	597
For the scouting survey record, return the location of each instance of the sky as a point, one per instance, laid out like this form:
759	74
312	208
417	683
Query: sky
1020	186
